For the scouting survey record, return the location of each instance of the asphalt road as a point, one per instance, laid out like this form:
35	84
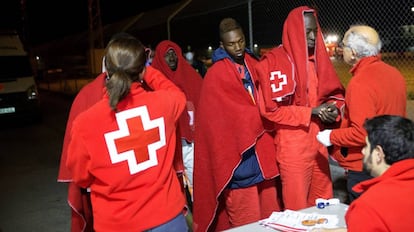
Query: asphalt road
31	200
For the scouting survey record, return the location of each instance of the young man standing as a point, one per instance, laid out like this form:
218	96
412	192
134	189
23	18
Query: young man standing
170	61
235	165
301	94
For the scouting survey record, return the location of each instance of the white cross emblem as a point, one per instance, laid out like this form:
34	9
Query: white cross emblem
124	131
282	81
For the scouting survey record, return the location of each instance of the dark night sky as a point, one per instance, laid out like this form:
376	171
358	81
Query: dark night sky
47	20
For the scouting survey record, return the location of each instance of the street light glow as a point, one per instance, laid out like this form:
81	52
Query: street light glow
332	39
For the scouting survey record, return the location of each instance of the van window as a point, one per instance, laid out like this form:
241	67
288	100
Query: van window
12	67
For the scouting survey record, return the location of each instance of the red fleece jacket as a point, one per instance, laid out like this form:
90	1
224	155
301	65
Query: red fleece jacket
126	158
387	202
375	88
79	202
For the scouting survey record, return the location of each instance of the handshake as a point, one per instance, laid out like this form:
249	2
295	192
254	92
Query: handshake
327	112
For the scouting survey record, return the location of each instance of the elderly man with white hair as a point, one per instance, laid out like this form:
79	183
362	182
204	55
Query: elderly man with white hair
375	88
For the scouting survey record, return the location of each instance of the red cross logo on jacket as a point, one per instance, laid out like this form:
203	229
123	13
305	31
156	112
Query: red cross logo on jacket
277	80
137	139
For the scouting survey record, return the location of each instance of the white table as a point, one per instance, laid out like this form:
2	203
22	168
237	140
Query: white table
338	210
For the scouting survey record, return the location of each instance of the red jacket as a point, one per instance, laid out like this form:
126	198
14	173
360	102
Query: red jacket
375	88
387	203
126	158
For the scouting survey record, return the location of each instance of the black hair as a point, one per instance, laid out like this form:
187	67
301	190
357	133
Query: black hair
228	24
395	134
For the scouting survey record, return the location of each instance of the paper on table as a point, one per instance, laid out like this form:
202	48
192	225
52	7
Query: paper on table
290	220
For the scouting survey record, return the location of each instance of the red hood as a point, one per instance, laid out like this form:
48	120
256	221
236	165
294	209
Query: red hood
185	77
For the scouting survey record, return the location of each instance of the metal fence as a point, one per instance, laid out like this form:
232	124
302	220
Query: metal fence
263	20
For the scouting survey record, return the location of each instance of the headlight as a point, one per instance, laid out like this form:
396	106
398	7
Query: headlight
32	93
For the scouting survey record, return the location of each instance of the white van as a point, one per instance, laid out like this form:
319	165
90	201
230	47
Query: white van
18	90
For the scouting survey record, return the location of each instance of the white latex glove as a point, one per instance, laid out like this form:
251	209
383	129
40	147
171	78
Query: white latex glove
324	137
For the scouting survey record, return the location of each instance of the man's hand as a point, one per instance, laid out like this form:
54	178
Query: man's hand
327	112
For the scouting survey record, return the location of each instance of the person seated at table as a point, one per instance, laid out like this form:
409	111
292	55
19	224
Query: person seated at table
386	203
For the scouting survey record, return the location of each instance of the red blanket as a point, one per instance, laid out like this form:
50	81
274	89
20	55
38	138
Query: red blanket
78	199
293	59
186	78
228	123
